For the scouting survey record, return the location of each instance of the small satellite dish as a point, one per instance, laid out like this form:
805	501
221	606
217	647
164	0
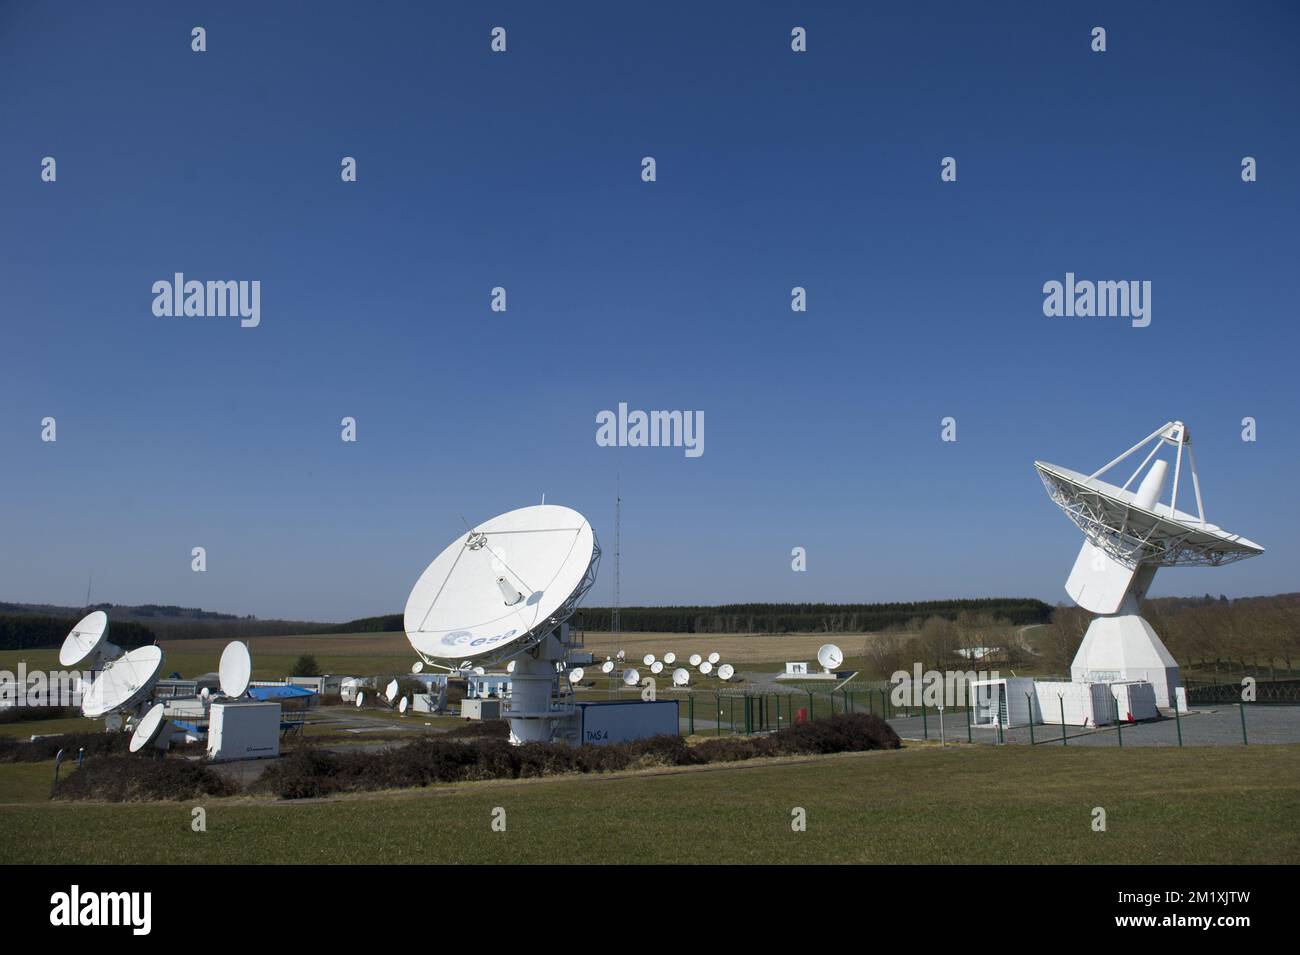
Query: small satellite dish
390	691
670	658
123	682
607	666
153	729
706	667
830	656
620	655
510	667
204	693
681	676
85	639
401	707
576	674
417	666
631	677
726	671
361	699
695	659
714	658
657	667
648	659
479	671
235	669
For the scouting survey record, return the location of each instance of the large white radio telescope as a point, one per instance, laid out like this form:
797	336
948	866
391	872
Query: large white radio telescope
504	590
1129	535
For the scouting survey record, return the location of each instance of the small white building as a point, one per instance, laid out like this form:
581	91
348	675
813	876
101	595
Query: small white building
1075	704
1007	701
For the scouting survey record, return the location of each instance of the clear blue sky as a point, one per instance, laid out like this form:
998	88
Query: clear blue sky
523	170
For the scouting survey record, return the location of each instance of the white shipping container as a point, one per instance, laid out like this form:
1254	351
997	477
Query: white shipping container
618	722
243	730
1010	701
1084	704
1136	701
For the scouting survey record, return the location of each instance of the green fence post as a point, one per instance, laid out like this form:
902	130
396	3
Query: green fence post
925	726
1242	710
1178	722
731	713
1119	727
968	736
810	705
718	718
1029	698
1001	736
1062	699
690	714
778	711
832	698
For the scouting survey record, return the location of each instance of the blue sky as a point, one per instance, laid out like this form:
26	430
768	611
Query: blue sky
523	170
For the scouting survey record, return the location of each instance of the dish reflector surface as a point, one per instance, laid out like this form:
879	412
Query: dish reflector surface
631	677
830	656
695	659
681	676
576	674
607	666
546	552
715	657
147	730
670	658
726	671
706	667
401	707
235	669
123	682
83	639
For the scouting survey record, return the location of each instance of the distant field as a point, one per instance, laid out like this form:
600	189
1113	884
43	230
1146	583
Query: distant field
963	804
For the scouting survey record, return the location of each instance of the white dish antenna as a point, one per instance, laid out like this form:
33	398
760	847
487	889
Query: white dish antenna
390	691
235	670
480	671
417	666
695	659
648	659
670	658
123	682
460	608
576	675
86	640
714	658
706	667
726	671
631	677
681	676
829	656
657	667
361	698
401	707
607	666
153	729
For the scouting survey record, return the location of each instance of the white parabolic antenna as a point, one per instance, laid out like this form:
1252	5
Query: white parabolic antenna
657	667
576	675
361	699
456	610
631	677
830	656
726	671
85	639
670	658
607	666
695	659
390	691
681	676
1129	535
150	729
648	659
123	682
714	658
235	670
401	707
706	667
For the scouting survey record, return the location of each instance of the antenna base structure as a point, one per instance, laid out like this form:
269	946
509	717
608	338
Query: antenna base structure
1128	536
504	591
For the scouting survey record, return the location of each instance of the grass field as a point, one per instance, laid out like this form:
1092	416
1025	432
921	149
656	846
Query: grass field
922	804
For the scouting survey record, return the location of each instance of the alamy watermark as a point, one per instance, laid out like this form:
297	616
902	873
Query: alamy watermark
651	429
211	299
934	688
41	687
1083	298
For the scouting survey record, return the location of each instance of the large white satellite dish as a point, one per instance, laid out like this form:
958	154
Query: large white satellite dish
547	553
657	667
153	728
648	659
706	667
695	659
726	671
235	670
123	682
86	640
681	676
1128	536
631	677
714	658
670	658
390	691
829	656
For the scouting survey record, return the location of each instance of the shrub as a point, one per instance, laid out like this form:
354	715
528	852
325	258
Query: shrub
135	778
36	751
31	714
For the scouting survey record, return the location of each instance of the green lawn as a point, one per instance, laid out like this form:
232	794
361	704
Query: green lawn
964	804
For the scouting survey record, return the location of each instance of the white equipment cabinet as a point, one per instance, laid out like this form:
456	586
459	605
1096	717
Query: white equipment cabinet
243	730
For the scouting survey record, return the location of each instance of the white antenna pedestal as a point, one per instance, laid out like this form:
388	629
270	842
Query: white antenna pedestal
536	708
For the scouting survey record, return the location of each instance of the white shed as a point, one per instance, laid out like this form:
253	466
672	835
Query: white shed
1009	701
1075	704
1136	701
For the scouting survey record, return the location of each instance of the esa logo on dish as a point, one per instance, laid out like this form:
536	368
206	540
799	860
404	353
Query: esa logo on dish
460	638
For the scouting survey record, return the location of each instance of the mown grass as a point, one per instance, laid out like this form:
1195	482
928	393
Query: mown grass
957	805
